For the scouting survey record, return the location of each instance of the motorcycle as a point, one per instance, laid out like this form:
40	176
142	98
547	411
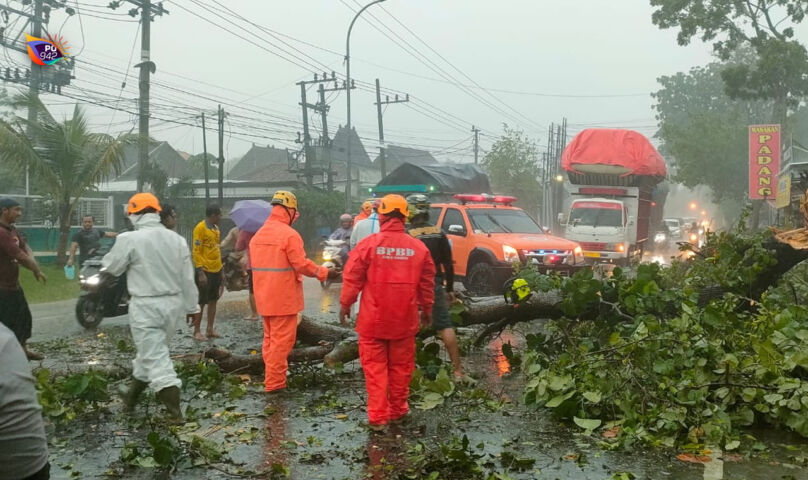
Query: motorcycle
102	295
662	241
333	261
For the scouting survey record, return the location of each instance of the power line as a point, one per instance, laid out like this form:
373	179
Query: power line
423	59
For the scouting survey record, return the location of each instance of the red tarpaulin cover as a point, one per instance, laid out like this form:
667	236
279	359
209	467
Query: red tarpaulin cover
618	148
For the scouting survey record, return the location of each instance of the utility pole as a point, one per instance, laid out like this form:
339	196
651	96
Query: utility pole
325	143
143	83
205	161
33	83
476	132
379	103
306	136
221	155
147	67
320	107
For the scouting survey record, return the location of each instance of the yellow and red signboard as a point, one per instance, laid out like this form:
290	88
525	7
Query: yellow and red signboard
764	161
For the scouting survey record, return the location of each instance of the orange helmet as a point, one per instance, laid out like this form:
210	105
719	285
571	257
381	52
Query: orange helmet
393	203
142	201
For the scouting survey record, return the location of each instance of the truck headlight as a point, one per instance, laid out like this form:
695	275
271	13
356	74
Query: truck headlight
509	254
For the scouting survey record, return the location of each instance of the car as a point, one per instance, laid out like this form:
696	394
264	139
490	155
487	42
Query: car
674	227
489	235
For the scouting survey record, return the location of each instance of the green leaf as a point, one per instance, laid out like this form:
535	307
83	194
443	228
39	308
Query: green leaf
732	445
773	397
587	424
593	397
558	399
430	401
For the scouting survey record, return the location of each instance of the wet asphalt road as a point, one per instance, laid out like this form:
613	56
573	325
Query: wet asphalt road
52	321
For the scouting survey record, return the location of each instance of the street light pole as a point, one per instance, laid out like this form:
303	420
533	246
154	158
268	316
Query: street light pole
348	91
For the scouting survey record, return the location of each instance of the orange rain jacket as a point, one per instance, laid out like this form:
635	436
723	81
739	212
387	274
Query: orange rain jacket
278	265
362	215
396	276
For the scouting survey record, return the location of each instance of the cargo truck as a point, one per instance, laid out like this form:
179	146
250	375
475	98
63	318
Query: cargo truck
613	179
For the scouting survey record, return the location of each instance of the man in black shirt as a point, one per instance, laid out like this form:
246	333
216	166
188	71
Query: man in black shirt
87	240
441	251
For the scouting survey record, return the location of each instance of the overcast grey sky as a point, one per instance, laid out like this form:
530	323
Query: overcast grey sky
593	61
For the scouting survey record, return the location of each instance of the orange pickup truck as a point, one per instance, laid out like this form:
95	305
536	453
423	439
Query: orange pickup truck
489	235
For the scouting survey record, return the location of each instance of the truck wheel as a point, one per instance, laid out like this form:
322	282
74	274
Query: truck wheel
88	313
479	280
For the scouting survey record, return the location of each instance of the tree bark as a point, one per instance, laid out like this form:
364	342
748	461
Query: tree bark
64	234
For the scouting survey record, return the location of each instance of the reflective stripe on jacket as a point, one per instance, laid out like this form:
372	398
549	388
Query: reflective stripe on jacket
278	264
396	276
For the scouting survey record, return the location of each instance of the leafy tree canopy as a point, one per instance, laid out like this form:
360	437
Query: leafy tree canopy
705	131
780	70
513	168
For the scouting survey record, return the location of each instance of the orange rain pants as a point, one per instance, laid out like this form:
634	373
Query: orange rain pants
279	338
388	367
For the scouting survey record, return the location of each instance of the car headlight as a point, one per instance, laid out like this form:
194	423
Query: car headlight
509	254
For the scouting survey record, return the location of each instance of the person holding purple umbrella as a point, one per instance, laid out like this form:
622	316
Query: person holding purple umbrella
249	216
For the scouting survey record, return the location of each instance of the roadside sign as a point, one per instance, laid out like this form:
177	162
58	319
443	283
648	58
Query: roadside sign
764	160
783	192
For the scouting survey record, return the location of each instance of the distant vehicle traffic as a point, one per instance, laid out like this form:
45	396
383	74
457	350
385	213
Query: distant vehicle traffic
488	235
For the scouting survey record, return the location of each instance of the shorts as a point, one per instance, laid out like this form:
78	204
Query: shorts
250	281
441	318
14	313
209	293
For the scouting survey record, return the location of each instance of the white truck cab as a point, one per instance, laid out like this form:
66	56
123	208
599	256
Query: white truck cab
606	226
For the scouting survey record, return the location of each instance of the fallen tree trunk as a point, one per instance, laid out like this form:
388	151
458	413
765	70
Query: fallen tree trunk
343	344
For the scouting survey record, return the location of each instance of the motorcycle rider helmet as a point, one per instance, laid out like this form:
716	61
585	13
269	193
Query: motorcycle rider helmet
345	217
417	204
142	201
393	203
285	198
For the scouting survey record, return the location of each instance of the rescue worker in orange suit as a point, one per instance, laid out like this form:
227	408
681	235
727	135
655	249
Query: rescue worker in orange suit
396	276
367	209
278	265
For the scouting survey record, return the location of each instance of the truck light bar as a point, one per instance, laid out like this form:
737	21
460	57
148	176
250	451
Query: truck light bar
484	198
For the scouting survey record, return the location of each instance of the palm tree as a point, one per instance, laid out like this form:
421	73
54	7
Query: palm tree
65	156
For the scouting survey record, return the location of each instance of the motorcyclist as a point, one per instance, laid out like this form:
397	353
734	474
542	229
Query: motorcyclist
278	263
343	233
441	251
160	279
395	274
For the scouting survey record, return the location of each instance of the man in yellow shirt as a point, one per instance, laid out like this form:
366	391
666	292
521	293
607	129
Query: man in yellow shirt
208	265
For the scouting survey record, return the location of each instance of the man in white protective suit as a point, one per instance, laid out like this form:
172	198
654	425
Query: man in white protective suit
160	278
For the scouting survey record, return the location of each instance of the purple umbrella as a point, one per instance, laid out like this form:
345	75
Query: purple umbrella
250	215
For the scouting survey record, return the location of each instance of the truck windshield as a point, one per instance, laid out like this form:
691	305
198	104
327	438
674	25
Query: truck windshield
592	214
499	220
